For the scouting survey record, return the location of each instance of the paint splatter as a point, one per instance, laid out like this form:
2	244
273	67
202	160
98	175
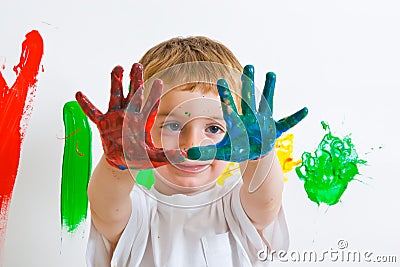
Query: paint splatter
145	178
15	109
76	168
187	114
3	63
327	172
284	151
228	172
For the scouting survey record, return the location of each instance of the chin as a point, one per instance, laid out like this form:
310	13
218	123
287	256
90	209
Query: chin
190	176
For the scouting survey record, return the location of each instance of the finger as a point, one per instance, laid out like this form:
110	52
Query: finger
202	152
93	113
228	105
152	102
116	95
150	108
147	136
220	151
286	123
136	102
136	77
210	152
248	97
267	98
159	156
236	147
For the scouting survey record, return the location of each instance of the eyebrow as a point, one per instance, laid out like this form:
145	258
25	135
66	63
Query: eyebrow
163	114
185	115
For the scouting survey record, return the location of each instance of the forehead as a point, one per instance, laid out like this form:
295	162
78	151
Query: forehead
196	72
190	102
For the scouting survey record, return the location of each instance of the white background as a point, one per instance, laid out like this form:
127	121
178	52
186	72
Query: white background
339	58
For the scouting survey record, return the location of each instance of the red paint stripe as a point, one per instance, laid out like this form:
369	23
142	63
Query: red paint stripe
12	111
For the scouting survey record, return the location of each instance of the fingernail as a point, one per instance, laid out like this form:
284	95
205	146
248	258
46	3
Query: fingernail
249	71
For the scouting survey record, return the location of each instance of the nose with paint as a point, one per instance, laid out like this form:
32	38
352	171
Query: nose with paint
191	135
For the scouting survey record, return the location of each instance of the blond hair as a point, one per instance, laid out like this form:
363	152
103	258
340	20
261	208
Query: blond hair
192	60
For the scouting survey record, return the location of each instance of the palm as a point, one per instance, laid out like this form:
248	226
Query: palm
254	131
125	128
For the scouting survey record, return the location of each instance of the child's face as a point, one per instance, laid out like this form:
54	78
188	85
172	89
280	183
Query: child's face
186	119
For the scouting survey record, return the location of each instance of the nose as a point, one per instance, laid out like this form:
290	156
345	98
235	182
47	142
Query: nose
192	136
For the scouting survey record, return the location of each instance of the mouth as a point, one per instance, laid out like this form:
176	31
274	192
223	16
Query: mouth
192	168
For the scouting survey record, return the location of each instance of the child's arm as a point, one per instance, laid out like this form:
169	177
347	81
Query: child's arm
250	140
109	195
127	144
261	192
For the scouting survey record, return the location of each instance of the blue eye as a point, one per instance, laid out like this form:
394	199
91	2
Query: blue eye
172	126
214	129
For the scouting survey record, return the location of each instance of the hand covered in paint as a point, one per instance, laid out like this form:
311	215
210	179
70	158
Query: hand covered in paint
124	129
251	135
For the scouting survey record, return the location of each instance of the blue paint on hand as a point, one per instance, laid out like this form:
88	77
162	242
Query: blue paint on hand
252	134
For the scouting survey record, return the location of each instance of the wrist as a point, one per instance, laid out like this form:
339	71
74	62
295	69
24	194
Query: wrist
264	159
115	165
257	172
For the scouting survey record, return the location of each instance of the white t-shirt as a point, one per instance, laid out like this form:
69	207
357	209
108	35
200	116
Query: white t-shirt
207	229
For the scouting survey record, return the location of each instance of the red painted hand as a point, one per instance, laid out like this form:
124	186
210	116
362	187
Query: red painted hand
125	128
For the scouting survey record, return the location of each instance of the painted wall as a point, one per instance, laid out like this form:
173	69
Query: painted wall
338	58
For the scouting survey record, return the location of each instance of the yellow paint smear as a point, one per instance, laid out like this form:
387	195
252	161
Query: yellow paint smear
229	171
284	151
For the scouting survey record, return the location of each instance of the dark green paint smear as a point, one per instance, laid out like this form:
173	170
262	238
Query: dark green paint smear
77	166
327	172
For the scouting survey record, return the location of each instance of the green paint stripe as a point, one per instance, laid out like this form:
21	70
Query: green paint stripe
77	166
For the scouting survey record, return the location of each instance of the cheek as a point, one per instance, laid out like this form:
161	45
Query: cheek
155	135
219	137
217	168
167	141
214	139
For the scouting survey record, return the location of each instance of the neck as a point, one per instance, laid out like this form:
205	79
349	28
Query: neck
167	188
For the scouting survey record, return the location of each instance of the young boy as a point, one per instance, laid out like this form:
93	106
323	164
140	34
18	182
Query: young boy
186	218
